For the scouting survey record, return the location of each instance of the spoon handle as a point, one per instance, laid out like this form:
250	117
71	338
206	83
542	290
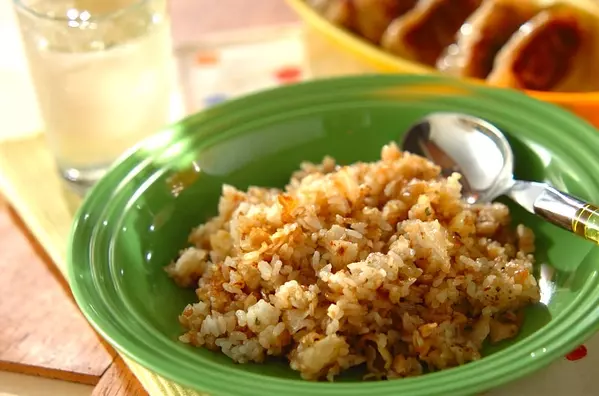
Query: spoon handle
586	223
568	212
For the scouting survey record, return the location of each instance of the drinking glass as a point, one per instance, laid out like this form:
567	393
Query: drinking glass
103	74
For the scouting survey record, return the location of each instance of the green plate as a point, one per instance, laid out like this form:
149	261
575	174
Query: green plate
137	218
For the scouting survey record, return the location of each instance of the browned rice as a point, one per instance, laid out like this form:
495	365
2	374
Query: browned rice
379	263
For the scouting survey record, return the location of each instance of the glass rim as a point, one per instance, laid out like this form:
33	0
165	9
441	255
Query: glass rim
20	5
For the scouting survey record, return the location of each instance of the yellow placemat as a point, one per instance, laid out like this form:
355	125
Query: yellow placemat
28	180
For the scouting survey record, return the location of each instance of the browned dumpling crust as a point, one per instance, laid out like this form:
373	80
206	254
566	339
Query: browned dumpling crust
367	18
341	12
338	12
483	35
424	32
372	17
522	44
546	52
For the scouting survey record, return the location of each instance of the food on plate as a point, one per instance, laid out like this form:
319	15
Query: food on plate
551	52
378	264
424	32
368	18
339	12
483	35
543	45
373	16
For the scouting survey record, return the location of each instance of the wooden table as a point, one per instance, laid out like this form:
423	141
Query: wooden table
46	346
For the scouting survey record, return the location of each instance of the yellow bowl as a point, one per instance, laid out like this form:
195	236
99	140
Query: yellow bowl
364	57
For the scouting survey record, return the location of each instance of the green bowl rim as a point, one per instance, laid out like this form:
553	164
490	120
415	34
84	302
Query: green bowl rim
474	376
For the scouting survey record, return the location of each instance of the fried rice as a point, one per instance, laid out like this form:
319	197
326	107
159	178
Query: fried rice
378	264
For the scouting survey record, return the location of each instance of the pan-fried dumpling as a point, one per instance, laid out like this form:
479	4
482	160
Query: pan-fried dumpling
367	18
373	16
482	36
319	5
424	32
554	51
338	12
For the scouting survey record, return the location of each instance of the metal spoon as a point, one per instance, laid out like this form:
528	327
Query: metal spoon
481	153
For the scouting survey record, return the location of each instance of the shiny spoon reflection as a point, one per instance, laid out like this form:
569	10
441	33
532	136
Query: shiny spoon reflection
482	155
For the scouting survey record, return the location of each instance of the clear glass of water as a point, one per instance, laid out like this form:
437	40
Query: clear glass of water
103	74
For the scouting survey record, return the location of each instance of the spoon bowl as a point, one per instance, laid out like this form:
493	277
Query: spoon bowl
469	146
480	152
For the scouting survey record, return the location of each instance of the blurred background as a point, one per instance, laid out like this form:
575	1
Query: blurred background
220	50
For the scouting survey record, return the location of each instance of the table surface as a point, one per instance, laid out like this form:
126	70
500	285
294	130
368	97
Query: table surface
28	274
